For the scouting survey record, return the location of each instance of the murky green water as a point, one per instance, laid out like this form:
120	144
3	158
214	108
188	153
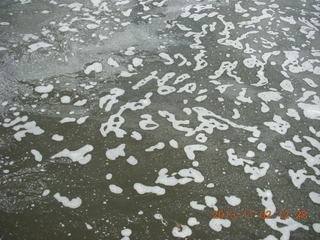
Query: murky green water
137	119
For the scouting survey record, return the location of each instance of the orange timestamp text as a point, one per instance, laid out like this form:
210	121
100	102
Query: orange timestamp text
285	214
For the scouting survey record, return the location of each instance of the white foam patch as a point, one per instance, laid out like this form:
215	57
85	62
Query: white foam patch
80	102
37	155
310	82
201	98
279	125
123	2
315	197
166	57
81	155
232	200
144	81
82	120
92	26
111	99
115	189
10	123
75	6
45	192
181	78
192	173
165	90
67	120
5	24
137	62
173	143
166	77
158	216
130	50
147	123
115	121
136	135
126	74
191	149
230	69
29	127
306	95
57	137
269	96
192	221
316	227
66	28
211	202
96	3
264	107
288	20
114	153
239	8
292	63
109	176
222	88
94	67
284	226
200	60
201	137
188	88
226	32
250	154
300	176
126	232
44	89
218	224
25	1
197	206
183	58
265	14
65	99
255	172
262	147
286	85
242	98
112	62
143	189
88	226
127	12
132	160
182	231
212	123
158	146
293	113
187	175
236	114
35	46
73	203
311	111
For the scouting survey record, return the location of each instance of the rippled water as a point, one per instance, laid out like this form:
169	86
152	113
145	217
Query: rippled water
137	119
